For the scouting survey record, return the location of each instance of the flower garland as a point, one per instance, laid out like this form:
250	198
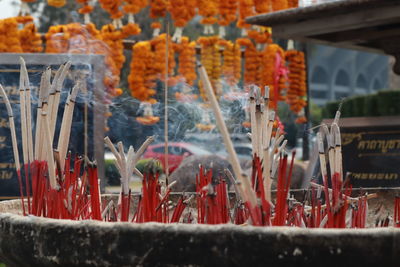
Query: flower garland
293	3
140	79
297	90
56	3
85	10
208	9
57	39
232	62
246	9
182	11
227	14
279	5
251	62
262	6
113	7
158	9
187	60
211	60
274	73
30	39
133	7
9	36
159	45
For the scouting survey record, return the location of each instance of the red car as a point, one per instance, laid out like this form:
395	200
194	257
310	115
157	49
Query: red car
176	153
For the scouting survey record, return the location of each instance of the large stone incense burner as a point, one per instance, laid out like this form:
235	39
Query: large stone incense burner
33	241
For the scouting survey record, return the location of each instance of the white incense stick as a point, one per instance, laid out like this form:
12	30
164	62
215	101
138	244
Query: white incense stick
12	128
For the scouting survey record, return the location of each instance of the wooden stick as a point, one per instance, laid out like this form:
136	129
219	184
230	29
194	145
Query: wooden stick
245	183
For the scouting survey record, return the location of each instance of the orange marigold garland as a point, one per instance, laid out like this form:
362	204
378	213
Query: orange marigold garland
56	3
133	7
246	9
274	72
85	10
262	6
187	60
279	5
297	91
211	60
251	62
9	36
159	47
208	9
227	14
114	8
232	62
293	3
30	39
158	9
182	11
141	79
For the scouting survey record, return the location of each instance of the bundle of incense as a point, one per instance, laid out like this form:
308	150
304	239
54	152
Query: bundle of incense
42	107
26	125
14	142
126	167
66	123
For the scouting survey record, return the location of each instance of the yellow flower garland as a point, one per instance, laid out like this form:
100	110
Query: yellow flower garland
30	39
141	79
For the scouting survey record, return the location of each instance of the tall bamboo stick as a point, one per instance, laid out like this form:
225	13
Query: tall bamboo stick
248	194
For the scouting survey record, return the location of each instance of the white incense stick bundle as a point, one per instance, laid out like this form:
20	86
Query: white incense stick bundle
338	151
253	121
48	149
24	131
38	117
12	128
24	74
66	123
44	95
331	147
248	194
58	83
